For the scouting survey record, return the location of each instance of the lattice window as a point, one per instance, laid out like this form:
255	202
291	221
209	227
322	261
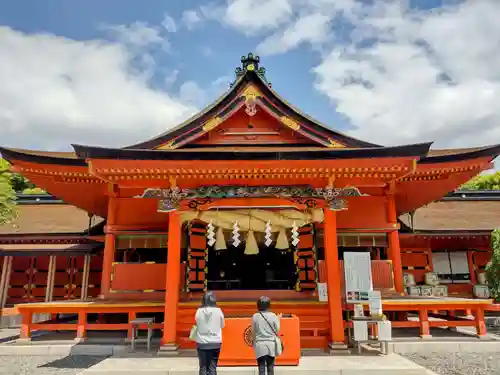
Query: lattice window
305	260
197	258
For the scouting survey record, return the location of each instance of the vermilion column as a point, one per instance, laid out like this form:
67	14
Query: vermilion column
109	249
394	247
472	267
333	277
173	280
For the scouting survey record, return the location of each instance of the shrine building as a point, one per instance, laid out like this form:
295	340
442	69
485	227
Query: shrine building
249	197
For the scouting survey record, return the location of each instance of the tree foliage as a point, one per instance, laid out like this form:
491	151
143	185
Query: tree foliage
493	267
34	191
19	183
7	194
483	182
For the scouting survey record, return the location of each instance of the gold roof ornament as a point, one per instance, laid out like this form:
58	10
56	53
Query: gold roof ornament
250	63
290	123
212	123
334	144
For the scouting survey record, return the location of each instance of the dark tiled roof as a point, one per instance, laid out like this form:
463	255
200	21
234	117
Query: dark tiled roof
48	219
458	215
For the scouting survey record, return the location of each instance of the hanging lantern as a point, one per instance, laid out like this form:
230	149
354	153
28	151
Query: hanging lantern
236	234
269	234
210	234
251	246
220	241
295	234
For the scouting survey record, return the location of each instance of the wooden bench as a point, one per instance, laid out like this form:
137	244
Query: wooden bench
136	325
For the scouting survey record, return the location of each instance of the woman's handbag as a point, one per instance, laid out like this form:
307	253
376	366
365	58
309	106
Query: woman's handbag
277	341
193	332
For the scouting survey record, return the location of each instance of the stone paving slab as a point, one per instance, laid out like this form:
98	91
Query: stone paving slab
444	346
339	365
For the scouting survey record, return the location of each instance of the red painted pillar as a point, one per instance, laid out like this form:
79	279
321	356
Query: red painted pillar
480	325
173	280
472	267
394	247
423	316
333	277
109	249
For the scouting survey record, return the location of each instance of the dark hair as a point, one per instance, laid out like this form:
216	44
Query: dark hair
208	300
264	303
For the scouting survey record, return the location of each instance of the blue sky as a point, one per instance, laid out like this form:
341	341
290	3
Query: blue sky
358	66
203	54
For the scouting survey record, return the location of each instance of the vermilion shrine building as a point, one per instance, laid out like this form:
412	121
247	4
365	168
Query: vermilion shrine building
248	195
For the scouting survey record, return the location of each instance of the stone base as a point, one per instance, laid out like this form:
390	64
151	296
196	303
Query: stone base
483	337
169	350
23	341
426	337
338	348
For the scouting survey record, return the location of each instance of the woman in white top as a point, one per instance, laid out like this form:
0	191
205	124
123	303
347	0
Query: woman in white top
209	323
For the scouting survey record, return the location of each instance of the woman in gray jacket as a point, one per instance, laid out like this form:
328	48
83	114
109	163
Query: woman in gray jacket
265	328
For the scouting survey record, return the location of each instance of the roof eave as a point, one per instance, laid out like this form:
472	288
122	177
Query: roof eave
490	151
416	151
191	122
31	156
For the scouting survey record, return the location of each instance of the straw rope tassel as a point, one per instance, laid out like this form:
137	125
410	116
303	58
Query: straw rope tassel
282	241
251	246
220	241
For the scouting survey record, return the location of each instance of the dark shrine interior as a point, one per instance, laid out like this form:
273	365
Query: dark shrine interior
232	269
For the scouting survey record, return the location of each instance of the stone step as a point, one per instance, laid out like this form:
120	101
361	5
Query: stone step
346	365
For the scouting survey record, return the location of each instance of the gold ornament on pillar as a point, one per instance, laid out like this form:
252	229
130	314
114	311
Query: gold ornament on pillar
282	240
220	241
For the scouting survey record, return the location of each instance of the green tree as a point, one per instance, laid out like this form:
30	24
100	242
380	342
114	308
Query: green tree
7	194
483	182
493	267
20	183
34	191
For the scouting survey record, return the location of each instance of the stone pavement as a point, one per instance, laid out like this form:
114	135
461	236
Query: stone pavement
392	364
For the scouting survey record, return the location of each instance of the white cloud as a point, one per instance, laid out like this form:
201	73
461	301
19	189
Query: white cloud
190	92
430	75
169	24
400	75
171	77
137	34
252	16
190	19
312	28
56	91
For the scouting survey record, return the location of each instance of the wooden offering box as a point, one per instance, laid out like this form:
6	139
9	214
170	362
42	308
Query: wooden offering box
237	346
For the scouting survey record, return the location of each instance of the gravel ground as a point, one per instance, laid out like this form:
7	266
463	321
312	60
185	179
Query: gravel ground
458	363
38	365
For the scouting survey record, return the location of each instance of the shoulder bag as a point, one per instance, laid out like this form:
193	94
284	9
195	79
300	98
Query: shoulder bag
277	341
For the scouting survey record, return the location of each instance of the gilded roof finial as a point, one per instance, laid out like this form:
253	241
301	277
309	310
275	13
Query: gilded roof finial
250	63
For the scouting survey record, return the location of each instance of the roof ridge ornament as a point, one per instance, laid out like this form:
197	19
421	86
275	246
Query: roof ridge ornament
250	63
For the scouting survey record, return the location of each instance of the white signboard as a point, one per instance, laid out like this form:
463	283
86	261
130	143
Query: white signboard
384	330
322	292
358	276
360	329
375	300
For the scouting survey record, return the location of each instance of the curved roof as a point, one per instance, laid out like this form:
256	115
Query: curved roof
419	150
252	74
